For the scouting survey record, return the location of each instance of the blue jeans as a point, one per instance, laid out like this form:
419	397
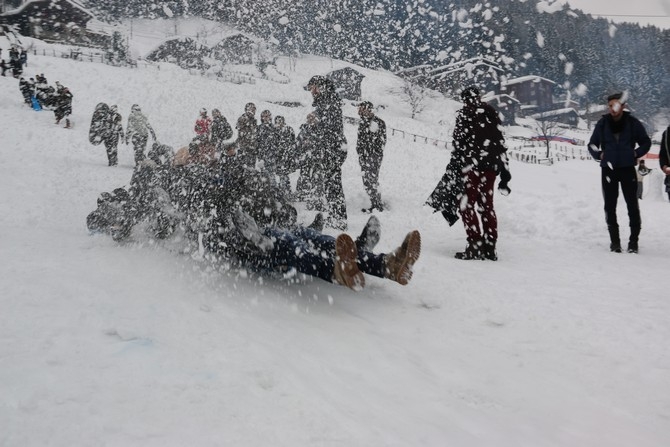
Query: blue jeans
313	253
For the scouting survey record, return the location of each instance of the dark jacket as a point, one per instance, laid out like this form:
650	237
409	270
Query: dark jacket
221	131
664	151
371	138
286	152
478	140
266	146
616	141
114	128
329	127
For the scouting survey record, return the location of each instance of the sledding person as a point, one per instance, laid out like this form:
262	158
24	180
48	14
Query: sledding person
220	130
664	159
203	124
329	131
370	147
478	156
618	141
114	133
137	132
339	260
247	129
63	107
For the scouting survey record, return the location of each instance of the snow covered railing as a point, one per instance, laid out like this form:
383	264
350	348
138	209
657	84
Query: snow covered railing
393	132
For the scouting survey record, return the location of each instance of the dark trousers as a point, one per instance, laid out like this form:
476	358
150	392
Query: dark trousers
611	179
334	193
313	253
112	152
139	144
479	192
370	168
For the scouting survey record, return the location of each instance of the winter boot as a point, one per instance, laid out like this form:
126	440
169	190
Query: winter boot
615	242
632	242
489	250
345	271
318	223
247	226
370	235
400	262
472	251
67	123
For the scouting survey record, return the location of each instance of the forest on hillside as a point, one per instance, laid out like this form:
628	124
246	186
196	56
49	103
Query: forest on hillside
588	58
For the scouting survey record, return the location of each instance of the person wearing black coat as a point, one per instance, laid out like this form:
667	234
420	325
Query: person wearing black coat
618	141
370	147
64	106
285	153
664	159
220	129
114	133
479	147
329	129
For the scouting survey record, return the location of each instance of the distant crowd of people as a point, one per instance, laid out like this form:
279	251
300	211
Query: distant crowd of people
39	95
18	59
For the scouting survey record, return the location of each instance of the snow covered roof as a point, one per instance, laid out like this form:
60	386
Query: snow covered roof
529	78
24	5
503	97
557	112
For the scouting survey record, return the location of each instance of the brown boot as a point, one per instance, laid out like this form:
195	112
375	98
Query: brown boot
399	263
346	270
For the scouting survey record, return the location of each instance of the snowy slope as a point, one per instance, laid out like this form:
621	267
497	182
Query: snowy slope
558	343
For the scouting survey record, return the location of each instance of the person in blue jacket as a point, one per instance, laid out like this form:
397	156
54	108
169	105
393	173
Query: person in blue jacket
618	141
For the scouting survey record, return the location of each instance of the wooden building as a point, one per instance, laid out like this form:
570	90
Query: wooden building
533	91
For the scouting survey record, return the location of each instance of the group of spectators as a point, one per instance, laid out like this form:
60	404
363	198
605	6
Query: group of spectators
18	59
234	197
39	95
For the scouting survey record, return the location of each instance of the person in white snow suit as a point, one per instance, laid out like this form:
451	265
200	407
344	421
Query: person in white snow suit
137	132
114	133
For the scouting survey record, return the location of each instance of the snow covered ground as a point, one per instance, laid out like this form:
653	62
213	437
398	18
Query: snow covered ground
559	343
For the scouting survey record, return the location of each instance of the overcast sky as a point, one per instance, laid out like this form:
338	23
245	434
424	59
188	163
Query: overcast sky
640	11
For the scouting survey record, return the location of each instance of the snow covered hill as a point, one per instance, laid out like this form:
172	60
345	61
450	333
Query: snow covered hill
559	343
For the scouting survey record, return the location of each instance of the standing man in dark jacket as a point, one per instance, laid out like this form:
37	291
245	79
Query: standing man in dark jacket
479	148
114	133
247	129
329	129
220	130
614	142
664	159
370	147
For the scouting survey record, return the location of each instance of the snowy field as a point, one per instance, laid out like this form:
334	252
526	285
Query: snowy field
559	343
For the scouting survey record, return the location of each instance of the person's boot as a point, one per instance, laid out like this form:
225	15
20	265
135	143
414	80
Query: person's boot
615	241
318	223
370	235
247	226
345	270
399	263
472	251
489	250
67	123
632	242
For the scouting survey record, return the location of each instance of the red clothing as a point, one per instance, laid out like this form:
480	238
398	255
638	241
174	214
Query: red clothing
479	191
202	126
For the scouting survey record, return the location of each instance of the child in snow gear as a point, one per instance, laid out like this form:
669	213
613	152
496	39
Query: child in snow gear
64	107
